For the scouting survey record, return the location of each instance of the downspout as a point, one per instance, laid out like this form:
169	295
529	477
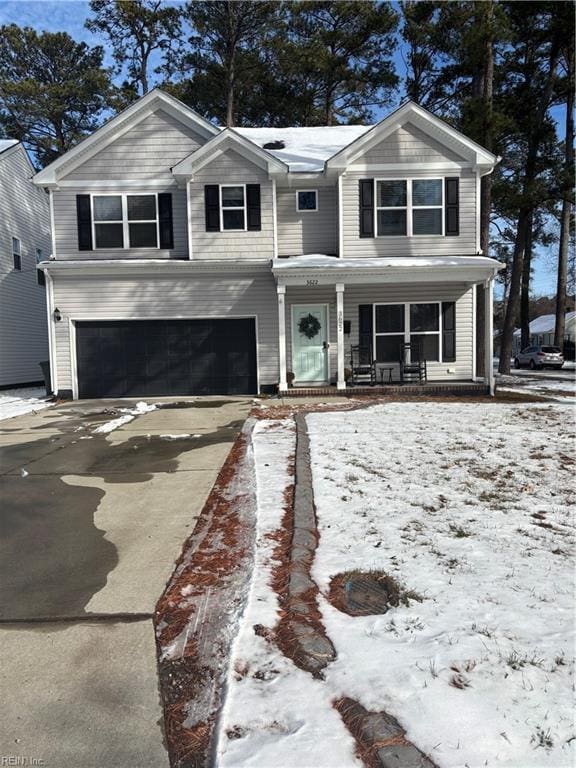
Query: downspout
51	331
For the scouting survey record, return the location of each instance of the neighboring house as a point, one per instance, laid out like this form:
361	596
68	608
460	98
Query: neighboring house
191	259
24	242
542	331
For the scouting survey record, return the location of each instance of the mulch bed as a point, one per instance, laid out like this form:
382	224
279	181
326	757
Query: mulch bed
196	618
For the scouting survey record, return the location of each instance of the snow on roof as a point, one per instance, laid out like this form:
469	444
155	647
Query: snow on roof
321	261
305	149
7	143
546	323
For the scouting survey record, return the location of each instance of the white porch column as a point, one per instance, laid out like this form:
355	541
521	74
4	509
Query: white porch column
489	333
341	381
283	384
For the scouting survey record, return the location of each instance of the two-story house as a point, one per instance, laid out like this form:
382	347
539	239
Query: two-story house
24	242
190	259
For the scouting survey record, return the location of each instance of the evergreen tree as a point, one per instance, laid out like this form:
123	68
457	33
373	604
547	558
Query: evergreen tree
135	29
226	56
338	56
53	90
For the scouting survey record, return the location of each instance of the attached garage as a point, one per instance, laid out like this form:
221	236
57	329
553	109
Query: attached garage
156	358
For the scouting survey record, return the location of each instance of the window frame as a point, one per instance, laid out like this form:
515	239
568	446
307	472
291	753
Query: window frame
410	207
125	221
243	208
306	210
407	329
16	254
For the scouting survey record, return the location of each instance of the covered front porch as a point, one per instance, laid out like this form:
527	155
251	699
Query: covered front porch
331	310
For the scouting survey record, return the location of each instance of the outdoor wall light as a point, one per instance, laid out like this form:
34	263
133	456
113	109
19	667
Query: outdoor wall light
57	315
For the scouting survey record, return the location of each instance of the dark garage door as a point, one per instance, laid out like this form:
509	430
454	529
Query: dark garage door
134	358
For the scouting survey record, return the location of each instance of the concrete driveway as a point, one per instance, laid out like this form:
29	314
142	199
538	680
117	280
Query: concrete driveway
90	527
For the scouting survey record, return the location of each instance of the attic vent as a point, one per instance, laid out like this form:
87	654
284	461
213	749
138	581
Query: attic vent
274	145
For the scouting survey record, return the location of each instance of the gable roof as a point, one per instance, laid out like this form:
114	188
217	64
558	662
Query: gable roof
413	113
118	125
228	138
305	150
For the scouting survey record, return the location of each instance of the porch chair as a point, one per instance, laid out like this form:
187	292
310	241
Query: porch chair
362	365
412	366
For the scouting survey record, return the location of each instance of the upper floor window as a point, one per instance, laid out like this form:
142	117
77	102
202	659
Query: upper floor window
40	276
17	253
233	207
406	207
125	221
306	200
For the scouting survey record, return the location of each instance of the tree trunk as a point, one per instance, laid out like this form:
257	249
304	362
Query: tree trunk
566	208
488	138
523	216
526	274
514	293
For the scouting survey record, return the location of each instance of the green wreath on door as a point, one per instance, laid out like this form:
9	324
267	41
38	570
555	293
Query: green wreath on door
309	326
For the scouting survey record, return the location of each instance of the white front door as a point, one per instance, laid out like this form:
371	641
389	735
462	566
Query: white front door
310	343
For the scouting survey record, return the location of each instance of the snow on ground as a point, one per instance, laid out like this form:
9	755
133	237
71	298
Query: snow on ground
129	414
539	385
468	504
16	402
275	716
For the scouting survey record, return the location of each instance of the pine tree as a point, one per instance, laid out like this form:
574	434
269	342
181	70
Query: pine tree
53	90
136	29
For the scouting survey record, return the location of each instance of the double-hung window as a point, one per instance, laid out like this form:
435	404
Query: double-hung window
125	221
17	253
398	324
406	207
233	207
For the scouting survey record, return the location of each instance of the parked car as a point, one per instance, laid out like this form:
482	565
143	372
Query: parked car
539	357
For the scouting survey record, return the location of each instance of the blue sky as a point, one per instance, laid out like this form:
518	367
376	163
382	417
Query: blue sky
70	15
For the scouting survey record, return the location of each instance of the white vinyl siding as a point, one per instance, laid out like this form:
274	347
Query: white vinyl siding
231	169
301	232
145	152
24	213
411	144
66	228
355	295
121	297
422	245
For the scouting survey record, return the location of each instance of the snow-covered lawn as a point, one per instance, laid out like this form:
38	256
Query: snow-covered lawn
470	506
16	402
519	381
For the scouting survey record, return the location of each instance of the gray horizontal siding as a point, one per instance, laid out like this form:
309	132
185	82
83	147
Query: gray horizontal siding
411	144
66	228
231	168
24	213
146	151
355	295
425	245
149	297
307	232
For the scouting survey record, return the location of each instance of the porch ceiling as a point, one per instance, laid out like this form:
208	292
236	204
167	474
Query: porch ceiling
328	270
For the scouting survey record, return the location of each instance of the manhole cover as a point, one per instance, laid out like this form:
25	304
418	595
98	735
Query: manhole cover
366	595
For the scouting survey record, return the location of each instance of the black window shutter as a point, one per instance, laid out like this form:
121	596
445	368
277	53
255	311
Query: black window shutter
84	218
366	208
253	207
212	207
452	205
165	220
365	327
448	331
